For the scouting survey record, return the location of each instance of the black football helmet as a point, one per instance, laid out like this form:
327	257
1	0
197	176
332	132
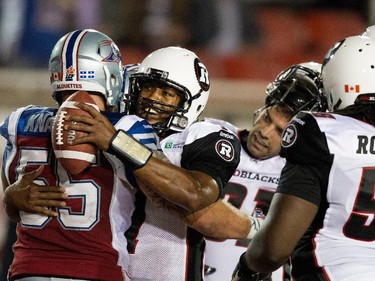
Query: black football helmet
299	87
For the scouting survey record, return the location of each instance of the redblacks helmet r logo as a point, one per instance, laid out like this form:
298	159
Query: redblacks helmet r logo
202	75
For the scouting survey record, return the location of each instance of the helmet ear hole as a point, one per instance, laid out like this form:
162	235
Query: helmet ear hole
113	80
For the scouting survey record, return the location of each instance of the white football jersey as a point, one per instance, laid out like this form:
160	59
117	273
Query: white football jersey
340	152
251	186
161	246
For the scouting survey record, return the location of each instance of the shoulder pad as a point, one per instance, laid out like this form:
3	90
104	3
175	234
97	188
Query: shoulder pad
303	142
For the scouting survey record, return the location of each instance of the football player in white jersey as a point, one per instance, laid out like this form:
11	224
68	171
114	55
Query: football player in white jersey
77	238
255	180
222	143
322	213
170	90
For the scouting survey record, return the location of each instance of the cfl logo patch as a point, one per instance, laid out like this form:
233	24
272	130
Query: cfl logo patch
289	136
225	150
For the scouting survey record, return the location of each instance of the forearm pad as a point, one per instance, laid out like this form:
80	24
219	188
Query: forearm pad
130	151
243	273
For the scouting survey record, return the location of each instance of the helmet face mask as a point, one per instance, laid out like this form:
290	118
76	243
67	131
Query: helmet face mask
298	88
87	60
177	68
146	107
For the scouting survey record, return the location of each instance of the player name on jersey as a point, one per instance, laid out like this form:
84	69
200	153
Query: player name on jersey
255	176
366	145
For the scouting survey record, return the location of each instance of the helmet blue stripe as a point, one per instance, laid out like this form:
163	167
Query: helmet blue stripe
69	50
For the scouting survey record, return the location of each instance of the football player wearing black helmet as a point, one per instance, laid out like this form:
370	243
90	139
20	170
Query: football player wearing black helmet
252	186
296	88
323	206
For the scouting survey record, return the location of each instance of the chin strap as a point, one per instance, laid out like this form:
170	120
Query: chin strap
130	151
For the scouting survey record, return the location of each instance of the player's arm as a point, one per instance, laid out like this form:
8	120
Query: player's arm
176	189
192	190
220	220
25	195
287	220
188	194
189	189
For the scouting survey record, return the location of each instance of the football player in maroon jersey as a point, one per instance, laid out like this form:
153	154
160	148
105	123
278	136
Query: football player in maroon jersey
81	236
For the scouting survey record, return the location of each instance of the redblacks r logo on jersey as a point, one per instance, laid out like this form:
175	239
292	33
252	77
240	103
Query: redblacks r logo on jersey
225	150
289	136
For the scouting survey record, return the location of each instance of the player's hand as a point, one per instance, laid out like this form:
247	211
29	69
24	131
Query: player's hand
98	128
25	195
243	273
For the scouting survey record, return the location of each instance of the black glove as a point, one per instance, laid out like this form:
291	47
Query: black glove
243	273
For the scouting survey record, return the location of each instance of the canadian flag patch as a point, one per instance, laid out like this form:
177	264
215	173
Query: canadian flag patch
55	76
351	88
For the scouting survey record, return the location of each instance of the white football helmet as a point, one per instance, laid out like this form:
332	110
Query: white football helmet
298	87
348	72
87	60
180	69
370	32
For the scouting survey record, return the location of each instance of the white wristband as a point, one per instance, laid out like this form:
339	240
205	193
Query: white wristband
127	148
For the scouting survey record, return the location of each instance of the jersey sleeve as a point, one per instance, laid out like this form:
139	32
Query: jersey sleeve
26	121
8	130
216	154
8	147
139	129
4	128
303	142
142	131
308	159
